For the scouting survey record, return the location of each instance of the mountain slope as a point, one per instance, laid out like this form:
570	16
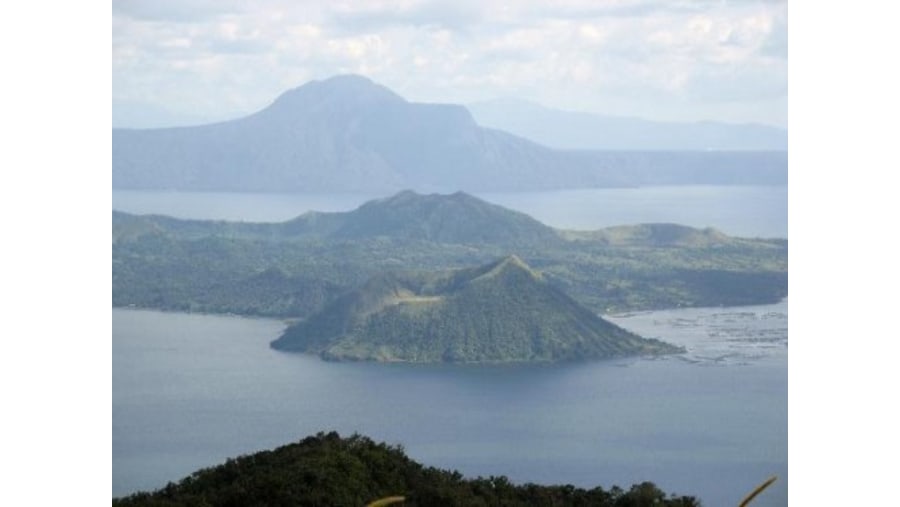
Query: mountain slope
350	134
457	218
653	235
499	312
325	469
344	133
291	269
590	131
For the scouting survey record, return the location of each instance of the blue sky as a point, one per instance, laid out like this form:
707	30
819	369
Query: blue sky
199	60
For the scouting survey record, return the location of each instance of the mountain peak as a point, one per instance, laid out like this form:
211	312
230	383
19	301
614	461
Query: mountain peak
347	79
352	83
509	266
346	90
514	261
448	218
411	196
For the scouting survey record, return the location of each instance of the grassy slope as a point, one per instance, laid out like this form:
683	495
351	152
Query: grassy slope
500	312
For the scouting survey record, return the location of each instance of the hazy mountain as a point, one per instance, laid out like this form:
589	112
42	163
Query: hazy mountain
502	311
591	131
140	114
344	133
350	134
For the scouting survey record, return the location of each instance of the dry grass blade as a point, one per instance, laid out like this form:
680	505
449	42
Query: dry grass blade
759	489
387	501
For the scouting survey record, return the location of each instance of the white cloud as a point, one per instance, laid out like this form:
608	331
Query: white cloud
690	60
175	10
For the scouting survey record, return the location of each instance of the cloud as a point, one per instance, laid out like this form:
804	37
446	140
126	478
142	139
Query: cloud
175	10
372	16
581	54
581	9
776	45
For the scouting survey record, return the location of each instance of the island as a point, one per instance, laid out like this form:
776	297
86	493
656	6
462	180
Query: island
293	269
503	311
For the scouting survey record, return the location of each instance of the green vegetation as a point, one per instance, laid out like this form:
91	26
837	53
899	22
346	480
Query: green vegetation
292	269
329	470
500	312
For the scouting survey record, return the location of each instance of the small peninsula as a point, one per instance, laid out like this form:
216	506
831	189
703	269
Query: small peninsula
503	311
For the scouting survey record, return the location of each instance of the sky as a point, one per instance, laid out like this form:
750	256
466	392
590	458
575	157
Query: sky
189	61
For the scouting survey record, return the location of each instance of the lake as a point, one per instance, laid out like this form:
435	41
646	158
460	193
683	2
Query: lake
190	391
748	211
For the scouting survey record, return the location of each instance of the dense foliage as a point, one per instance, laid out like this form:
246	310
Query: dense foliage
500	312
329	470
293	269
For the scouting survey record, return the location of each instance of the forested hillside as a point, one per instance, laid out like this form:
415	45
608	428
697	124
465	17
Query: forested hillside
327	470
292	269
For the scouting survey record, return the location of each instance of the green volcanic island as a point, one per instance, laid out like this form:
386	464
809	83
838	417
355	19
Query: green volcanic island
416	278
499	312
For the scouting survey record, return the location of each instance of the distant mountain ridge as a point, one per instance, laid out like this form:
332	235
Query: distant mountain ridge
344	133
499	312
591	131
347	133
458	218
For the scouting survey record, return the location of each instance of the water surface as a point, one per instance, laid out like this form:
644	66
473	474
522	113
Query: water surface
190	391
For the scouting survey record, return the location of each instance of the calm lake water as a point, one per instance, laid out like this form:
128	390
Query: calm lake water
190	391
755	211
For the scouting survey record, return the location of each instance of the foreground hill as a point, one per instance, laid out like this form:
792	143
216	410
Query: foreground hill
500	312
350	134
327	470
292	269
